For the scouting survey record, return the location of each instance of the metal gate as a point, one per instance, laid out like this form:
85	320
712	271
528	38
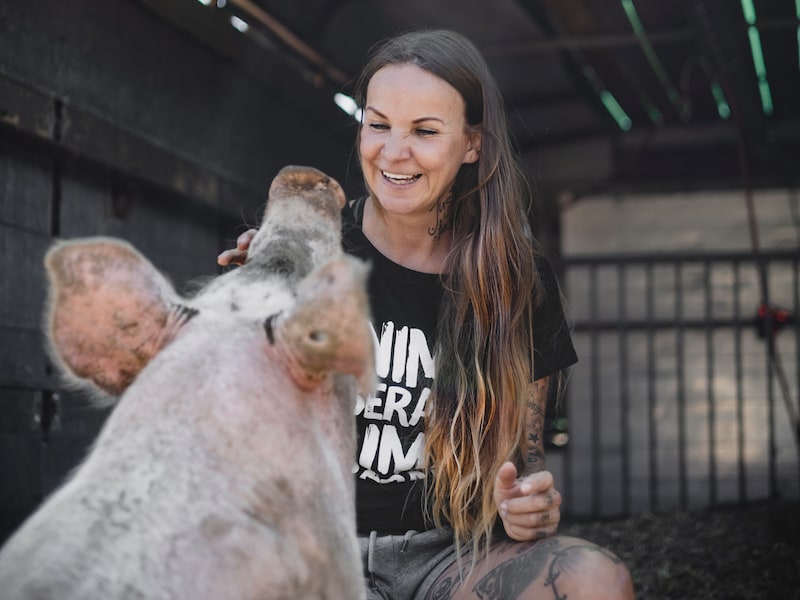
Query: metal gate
686	391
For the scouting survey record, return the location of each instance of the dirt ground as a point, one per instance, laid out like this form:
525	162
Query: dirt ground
733	553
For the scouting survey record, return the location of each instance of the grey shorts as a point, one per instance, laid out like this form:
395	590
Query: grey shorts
402	567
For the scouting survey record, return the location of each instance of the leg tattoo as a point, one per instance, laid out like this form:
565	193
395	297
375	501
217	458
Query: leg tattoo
510	578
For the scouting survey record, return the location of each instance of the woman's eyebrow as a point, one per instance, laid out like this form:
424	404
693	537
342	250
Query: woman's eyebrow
421	119
417	120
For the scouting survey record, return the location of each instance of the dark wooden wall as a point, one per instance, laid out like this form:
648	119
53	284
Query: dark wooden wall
116	122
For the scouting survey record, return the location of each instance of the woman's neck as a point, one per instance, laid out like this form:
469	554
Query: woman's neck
406	241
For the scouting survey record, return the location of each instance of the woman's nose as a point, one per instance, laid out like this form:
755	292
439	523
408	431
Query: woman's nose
396	145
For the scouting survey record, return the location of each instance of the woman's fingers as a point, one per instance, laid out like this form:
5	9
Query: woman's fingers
238	255
535	513
231	257
243	241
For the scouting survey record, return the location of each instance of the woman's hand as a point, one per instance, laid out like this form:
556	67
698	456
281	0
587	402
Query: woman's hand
529	507
238	255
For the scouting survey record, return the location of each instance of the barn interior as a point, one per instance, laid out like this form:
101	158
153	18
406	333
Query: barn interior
662	138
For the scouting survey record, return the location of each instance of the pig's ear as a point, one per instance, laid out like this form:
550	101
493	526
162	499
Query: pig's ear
109	311
328	329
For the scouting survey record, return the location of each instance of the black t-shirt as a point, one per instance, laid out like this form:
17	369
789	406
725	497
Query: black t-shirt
405	305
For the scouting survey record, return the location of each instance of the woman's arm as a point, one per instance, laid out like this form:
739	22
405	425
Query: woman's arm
528	503
534	426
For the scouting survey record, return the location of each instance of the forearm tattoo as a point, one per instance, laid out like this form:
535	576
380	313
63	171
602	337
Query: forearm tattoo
534	426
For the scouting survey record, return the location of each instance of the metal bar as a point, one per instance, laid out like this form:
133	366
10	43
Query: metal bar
597	480
796	314
623	388
660	324
298	45
586	70
670	258
620	40
712	457
771	362
651	388
737	346
578	42
645	44
636	84
680	380
55	172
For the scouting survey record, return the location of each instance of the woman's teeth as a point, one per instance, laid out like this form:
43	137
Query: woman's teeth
397	178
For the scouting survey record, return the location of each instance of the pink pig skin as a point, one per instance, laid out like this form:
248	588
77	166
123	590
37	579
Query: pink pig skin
224	470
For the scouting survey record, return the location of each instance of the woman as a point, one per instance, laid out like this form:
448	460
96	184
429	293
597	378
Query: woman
461	507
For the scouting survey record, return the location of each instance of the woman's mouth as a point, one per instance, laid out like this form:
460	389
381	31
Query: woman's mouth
399	179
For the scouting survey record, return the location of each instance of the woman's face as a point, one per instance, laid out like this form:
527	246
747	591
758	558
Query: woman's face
413	139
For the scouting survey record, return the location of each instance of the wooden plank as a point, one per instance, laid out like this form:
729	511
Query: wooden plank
20	478
178	242
79	423
163	105
23	359
34	465
100	144
25	189
26	108
105	141
22	276
18	411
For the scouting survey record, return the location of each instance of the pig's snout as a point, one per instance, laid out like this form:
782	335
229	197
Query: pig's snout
294	180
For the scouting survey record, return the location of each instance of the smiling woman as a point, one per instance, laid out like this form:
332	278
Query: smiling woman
412	143
414	123
452	495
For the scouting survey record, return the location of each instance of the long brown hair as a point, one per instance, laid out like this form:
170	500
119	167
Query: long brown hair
476	413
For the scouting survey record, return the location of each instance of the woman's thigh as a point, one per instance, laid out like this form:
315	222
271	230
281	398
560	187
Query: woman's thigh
554	568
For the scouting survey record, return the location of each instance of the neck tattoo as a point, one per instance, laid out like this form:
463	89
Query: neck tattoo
442	216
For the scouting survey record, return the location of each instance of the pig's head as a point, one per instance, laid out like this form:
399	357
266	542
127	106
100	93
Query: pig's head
111	312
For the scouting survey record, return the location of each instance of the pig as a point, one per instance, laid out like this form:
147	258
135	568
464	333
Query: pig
224	469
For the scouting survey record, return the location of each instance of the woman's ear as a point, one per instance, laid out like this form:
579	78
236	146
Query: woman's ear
473	152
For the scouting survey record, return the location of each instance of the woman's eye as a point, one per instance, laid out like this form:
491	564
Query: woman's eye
378	126
425	132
